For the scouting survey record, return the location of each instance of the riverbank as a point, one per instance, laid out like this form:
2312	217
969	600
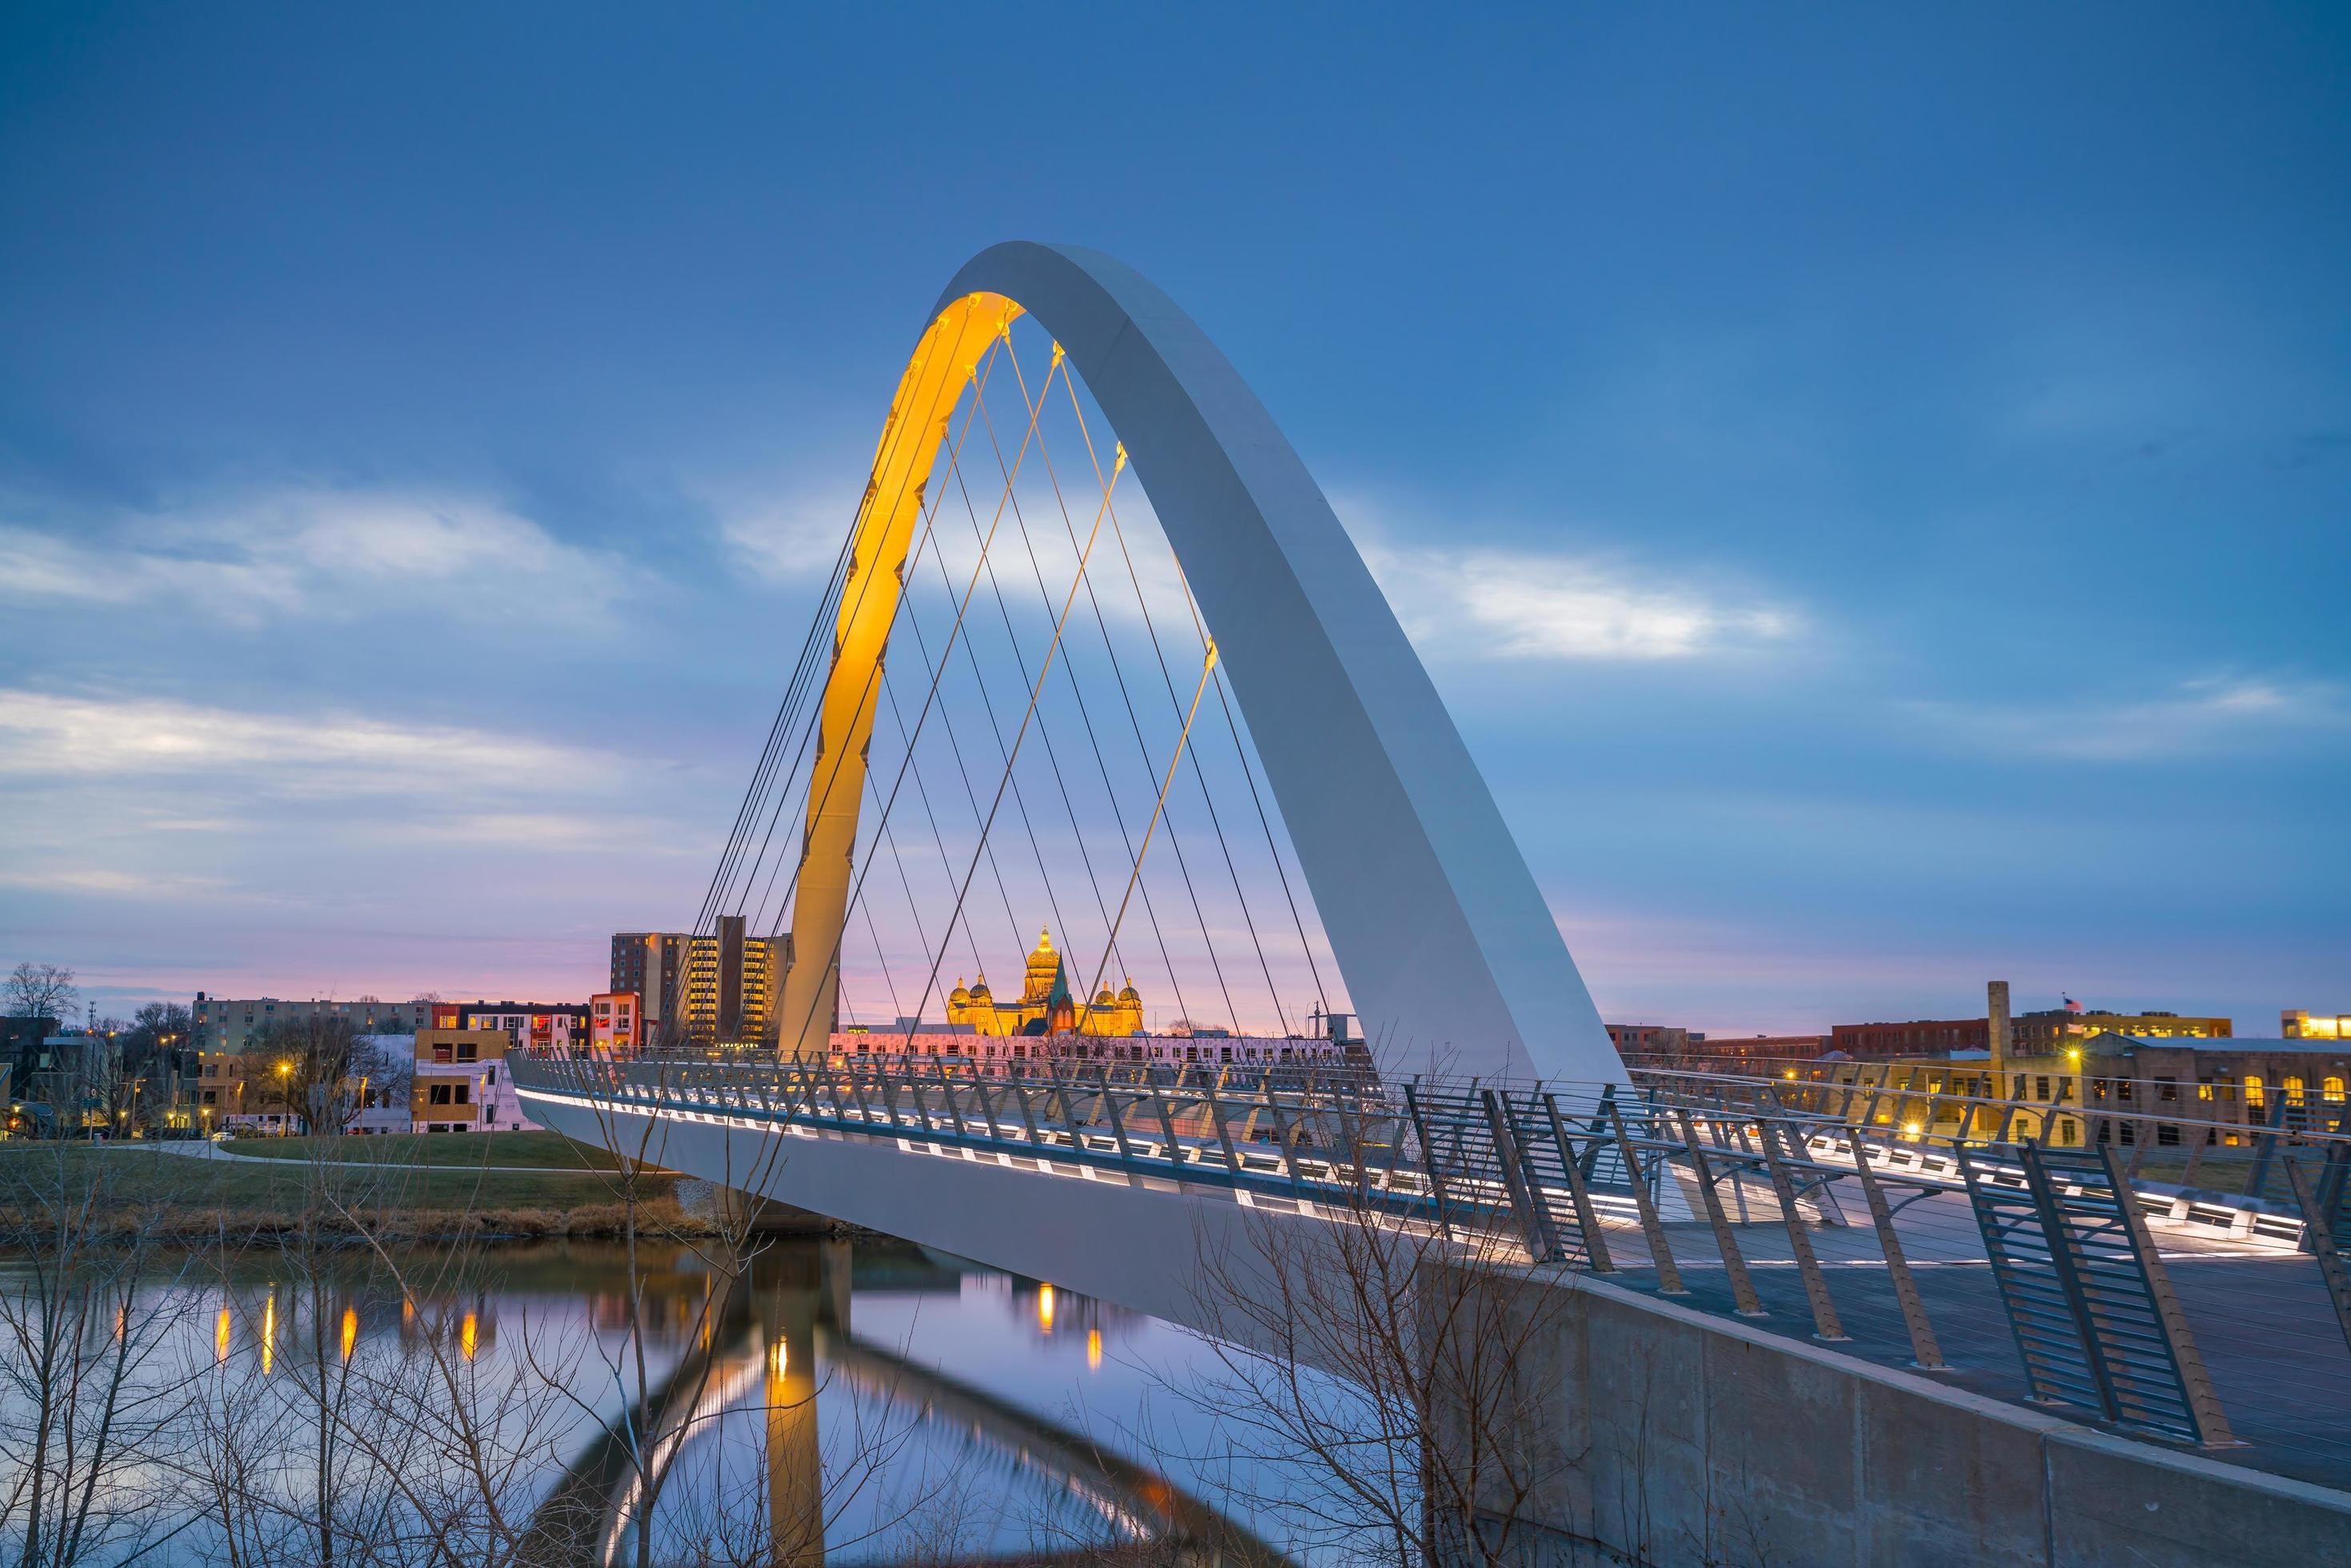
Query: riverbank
179	1195
483	1151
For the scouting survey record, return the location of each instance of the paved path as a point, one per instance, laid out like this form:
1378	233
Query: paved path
195	1148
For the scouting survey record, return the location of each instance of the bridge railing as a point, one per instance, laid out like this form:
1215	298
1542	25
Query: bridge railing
1909	1222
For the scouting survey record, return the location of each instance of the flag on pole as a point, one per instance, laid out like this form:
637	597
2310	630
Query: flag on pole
2071	1006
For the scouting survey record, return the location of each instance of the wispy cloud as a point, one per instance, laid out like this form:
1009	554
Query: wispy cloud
311	551
47	736
783	537
2208	716
1522	604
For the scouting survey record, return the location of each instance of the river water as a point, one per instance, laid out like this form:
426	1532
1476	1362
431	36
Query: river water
887	1404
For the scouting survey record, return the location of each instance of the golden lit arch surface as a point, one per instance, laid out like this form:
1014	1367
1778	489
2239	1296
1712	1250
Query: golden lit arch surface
941	366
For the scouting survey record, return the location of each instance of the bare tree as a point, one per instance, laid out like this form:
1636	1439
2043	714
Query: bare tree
40	990
88	1404
1382	1378
311	1068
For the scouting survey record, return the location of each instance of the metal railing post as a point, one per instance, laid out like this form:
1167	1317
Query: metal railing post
1742	1289
2318	1226
2211	1423
1669	1273
1826	1326
1926	1353
1534	1218
1587	1219
1224	1134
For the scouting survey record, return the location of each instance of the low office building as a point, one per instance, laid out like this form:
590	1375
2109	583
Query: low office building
963	1042
2299	1025
1916	1038
1649	1039
219	1023
2226	1091
1752	1053
462	1084
241	1092
2049	1031
616	1021
556	1026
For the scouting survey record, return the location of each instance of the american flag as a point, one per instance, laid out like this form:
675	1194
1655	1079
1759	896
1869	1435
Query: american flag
2071	1006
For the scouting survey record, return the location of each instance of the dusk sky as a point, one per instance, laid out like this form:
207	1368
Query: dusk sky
1874	490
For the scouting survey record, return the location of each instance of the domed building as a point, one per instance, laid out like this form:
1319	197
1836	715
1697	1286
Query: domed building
1046	1005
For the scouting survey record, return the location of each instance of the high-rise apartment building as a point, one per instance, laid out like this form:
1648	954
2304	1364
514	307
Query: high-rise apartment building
718	989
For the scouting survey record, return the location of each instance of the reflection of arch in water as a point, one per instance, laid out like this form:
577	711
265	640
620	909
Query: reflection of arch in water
586	1516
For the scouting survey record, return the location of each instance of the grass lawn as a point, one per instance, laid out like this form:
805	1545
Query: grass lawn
538	1151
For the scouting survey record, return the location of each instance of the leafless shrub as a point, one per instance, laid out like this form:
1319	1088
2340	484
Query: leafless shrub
86	1399
1383	1381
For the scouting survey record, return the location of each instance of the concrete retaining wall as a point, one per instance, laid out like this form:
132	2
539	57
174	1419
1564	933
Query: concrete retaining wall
1707	1441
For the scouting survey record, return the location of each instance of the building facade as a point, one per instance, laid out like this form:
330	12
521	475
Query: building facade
1753	1052
1918	1037
2299	1025
1164	1050
219	1023
462	1084
720	989
1045	1005
2241	1084
1649	1039
616	1021
2053	1029
556	1026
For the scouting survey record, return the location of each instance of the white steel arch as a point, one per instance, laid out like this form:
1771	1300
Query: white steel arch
1450	956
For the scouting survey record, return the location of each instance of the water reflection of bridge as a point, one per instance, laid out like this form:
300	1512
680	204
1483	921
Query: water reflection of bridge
779	1336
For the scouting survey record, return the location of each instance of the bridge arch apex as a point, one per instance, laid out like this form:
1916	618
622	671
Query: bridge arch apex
1451	958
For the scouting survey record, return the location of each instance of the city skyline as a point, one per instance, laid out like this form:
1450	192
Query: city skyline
1866	549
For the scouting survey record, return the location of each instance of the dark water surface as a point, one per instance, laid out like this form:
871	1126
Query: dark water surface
910	1406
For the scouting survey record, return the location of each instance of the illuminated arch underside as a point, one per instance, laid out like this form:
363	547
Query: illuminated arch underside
1449	954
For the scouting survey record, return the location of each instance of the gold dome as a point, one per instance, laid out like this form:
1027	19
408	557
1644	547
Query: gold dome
1044	968
1106	999
1129	993
959	995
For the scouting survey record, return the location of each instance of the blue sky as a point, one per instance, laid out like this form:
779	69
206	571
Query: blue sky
1873	487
